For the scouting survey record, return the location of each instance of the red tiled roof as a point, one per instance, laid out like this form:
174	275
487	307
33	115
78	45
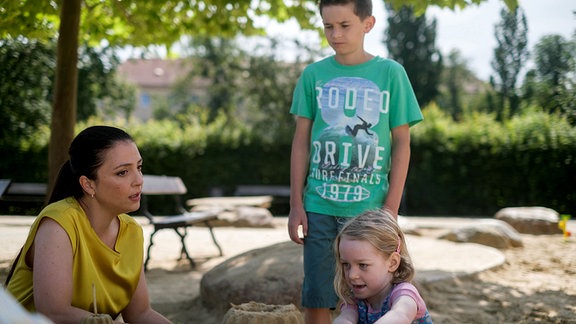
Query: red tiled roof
155	73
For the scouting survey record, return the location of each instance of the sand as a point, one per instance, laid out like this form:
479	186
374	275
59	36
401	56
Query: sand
537	284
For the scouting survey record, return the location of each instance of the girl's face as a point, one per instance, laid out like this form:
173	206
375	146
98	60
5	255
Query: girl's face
344	30
367	271
119	179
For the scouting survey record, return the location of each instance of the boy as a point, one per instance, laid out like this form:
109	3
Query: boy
351	146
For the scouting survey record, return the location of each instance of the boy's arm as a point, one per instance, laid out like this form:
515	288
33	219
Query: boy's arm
298	170
398	168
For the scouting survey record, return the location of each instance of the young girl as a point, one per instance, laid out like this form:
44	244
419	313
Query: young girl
374	271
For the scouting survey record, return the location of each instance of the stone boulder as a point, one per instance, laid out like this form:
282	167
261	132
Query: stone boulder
407	226
531	220
271	275
490	232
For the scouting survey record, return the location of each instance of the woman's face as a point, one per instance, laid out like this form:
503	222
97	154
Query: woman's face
119	179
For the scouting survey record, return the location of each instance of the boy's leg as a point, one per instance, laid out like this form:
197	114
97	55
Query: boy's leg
318	295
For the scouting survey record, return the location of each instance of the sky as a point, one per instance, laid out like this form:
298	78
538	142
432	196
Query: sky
470	30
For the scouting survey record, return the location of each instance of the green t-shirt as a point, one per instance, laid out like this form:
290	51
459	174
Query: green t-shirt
353	109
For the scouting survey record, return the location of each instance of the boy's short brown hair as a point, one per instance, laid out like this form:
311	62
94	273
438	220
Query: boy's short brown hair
362	8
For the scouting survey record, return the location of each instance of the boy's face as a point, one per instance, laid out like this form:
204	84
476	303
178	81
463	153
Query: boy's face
344	30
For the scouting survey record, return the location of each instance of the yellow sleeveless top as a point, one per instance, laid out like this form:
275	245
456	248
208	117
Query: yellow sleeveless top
115	273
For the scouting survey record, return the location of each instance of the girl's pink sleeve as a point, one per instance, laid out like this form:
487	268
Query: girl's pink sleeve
408	289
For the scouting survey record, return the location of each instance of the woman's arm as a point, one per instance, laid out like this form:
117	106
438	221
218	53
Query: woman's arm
139	309
398	168
298	171
51	261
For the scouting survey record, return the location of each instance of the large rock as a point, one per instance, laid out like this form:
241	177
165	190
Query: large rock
490	232
531	220
271	275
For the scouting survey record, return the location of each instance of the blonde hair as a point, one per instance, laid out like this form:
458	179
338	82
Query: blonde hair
381	230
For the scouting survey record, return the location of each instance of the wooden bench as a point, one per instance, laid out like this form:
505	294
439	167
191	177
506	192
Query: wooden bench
280	194
230	202
262	196
22	191
22	198
173	186
269	190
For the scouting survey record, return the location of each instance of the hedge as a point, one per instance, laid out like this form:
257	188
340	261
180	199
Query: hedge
473	167
478	166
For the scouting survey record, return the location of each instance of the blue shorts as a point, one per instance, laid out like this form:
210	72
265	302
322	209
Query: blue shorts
319	262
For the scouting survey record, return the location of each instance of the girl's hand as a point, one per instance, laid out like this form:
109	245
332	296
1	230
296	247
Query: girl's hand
348	315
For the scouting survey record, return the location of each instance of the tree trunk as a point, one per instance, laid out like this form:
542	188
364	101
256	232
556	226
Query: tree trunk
65	88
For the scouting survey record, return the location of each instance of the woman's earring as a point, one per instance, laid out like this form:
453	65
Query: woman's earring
92	196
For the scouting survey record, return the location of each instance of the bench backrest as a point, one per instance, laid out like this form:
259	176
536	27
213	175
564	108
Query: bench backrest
163	185
4	184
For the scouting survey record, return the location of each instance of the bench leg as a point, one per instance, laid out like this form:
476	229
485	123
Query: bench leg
184	251
148	250
214	237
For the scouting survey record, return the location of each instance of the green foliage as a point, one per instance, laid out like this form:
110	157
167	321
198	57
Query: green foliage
480	165
218	154
98	85
552	83
129	22
510	56
221	64
461	92
472	167
267	100
143	23
138	23
420	6
27	77
411	40
25	82
250	89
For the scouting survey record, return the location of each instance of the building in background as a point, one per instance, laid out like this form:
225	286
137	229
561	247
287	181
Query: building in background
155	79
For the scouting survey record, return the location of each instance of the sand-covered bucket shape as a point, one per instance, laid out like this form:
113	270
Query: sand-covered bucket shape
258	313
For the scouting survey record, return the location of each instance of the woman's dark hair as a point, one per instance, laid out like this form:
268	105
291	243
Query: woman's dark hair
86	155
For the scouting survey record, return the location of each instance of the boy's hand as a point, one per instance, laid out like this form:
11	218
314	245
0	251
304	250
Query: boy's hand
389	210
296	219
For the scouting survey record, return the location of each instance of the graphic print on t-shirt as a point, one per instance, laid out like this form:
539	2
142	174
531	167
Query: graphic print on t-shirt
346	153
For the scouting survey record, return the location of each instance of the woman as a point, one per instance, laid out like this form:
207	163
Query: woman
84	240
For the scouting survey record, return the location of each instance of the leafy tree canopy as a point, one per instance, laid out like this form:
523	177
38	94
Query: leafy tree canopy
420	6
160	22
144	23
